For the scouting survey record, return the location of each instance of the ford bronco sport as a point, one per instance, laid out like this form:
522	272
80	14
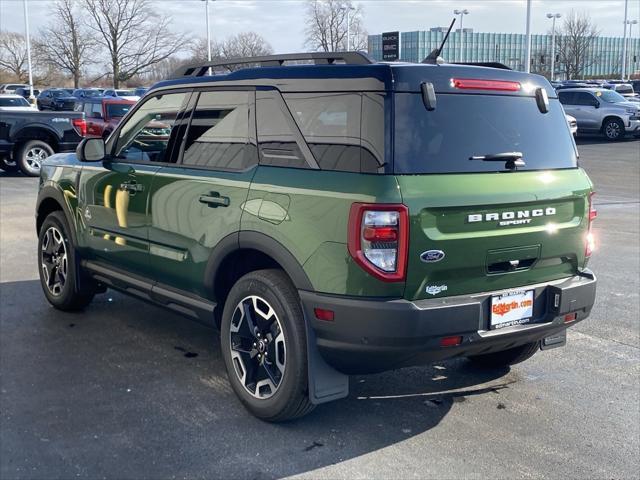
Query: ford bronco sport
332	217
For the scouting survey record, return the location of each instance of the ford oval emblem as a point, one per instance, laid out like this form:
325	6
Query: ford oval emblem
432	256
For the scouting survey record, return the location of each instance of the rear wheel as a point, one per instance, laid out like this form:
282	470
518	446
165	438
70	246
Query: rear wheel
506	357
57	265
613	129
263	338
31	155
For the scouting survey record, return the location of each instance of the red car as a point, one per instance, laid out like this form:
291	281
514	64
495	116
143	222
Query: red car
103	114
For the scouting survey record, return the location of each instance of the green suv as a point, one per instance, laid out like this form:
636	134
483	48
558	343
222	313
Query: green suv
332	216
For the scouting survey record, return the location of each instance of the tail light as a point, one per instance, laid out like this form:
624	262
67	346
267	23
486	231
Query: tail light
478	84
590	240
378	239
80	124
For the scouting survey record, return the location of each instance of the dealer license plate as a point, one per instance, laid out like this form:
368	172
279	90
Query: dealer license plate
511	308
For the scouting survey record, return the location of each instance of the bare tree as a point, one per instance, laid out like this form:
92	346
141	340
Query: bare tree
13	55
198	50
327	26
245	44
65	43
134	35
574	44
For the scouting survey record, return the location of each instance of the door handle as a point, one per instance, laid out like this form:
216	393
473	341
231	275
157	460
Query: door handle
214	200
132	187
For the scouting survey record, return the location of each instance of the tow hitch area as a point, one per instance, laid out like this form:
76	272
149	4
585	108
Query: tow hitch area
554	341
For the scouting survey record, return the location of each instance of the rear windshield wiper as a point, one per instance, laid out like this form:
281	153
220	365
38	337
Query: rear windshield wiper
511	160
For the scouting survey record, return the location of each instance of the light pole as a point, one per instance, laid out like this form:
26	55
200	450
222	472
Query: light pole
26	31
348	9
553	16
528	39
631	23
624	40
206	10
462	13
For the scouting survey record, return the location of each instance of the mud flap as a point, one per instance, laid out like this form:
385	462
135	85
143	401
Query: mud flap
554	341
325	382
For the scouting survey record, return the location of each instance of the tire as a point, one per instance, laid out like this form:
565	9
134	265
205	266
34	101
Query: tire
613	129
31	155
506	358
57	265
266	366
8	165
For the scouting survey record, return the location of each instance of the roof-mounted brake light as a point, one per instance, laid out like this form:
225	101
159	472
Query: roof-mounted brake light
478	84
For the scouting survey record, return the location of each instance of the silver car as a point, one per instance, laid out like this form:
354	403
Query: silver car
598	110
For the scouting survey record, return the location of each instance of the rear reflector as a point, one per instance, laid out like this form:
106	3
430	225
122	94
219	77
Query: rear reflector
590	240
477	84
450	341
570	317
323	314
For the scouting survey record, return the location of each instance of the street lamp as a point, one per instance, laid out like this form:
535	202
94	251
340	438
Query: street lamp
206	9
527	56
462	13
624	39
348	9
553	16
26	31
630	56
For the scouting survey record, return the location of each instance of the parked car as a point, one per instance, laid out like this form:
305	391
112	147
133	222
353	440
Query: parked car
103	114
573	124
14	103
28	137
86	93
601	110
11	87
123	94
564	86
26	92
140	91
332	219
56	99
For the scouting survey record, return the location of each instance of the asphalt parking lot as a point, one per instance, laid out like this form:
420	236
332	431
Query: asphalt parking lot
127	390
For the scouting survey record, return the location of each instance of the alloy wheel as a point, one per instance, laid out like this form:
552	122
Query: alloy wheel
612	130
34	158
258	348
54	261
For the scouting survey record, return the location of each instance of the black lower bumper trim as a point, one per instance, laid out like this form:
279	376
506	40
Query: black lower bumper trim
372	335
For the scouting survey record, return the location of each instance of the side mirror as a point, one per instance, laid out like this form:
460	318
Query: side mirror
91	150
596	104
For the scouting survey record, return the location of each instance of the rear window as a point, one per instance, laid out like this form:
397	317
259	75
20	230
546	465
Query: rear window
466	125
13	102
117	109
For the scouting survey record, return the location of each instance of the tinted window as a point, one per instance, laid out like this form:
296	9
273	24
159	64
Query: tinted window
147	134
115	110
276	138
465	125
332	127
566	98
218	135
584	98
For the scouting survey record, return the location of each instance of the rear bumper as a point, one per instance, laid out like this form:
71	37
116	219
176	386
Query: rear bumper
372	335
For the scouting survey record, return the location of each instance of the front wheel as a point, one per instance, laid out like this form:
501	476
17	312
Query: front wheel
263	338
613	129
31	155
57	265
506	358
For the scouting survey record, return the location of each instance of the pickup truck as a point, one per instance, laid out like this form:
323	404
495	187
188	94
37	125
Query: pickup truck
103	114
27	138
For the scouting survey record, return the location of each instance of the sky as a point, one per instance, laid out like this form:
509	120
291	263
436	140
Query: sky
281	22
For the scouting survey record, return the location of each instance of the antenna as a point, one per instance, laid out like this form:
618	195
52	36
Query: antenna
434	56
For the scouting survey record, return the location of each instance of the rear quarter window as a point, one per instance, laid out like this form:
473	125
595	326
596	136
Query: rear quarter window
466	125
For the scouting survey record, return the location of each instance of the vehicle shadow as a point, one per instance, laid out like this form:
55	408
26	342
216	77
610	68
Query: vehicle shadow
127	390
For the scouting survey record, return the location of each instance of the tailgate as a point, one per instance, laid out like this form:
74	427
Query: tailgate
496	230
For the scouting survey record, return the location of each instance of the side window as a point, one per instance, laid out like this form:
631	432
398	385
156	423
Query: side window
566	98
87	108
146	135
96	111
584	98
345	131
276	139
218	135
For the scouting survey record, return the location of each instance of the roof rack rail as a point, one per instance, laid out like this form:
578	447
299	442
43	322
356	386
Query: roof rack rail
484	64
318	58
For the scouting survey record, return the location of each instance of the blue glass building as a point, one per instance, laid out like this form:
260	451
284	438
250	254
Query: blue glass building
605	58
